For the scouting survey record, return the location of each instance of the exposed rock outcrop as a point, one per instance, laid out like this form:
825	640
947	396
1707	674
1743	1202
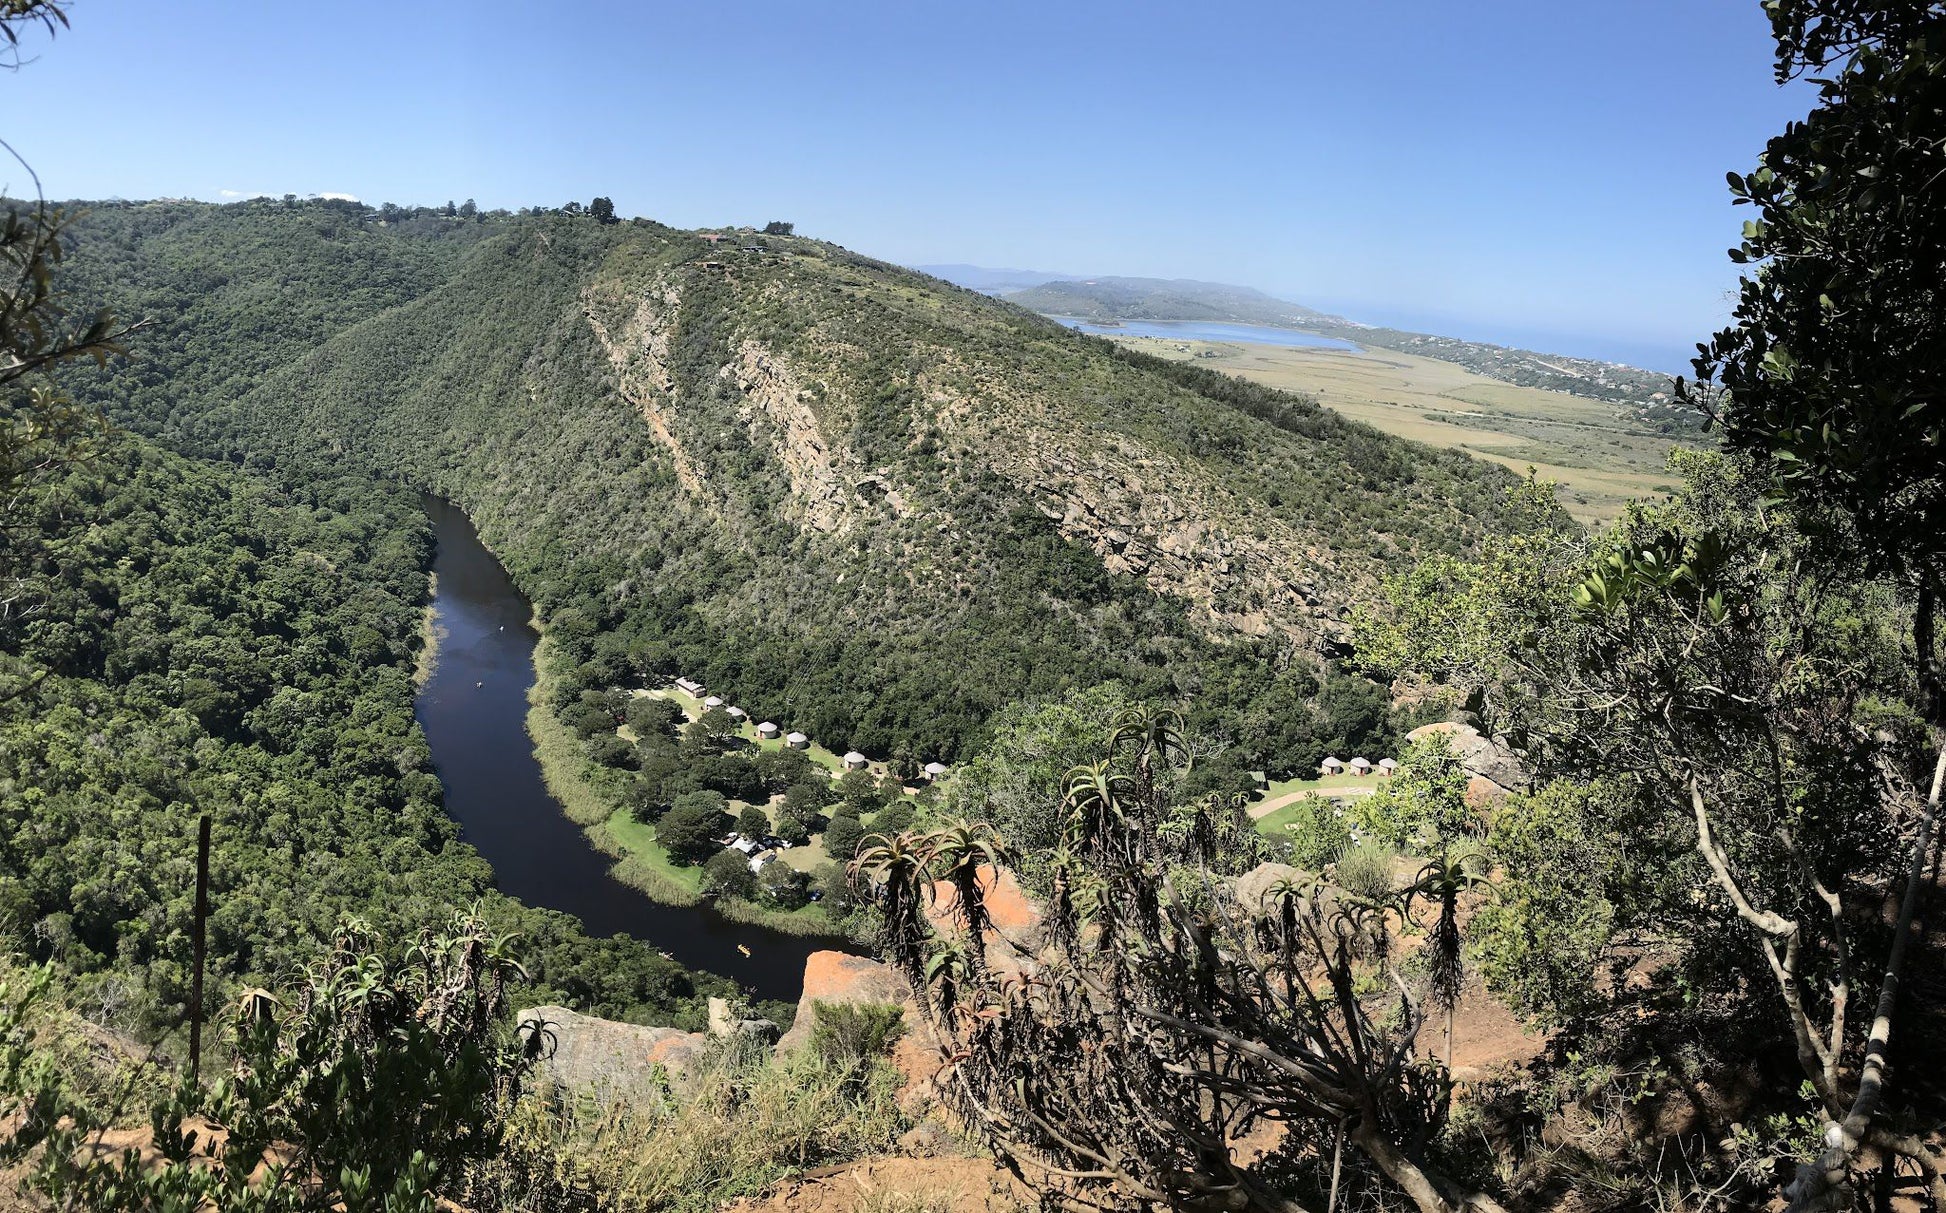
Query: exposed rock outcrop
615	1061
1253	888
639	352
724	1022
822	475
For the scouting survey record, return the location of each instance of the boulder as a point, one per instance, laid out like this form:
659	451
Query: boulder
616	1062
723	1021
1483	757
839	977
1253	888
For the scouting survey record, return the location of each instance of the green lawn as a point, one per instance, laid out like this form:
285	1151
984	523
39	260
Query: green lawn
1274	823
639	842
1332	784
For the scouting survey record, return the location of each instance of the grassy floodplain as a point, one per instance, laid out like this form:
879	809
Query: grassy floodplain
1601	461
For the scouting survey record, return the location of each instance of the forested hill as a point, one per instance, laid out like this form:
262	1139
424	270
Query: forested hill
206	643
858	498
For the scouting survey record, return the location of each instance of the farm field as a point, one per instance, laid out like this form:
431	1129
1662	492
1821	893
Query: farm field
1600	461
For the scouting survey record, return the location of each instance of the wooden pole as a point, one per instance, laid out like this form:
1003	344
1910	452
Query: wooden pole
196	979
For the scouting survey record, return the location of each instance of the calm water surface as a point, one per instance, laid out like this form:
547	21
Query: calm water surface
1199	330
474	711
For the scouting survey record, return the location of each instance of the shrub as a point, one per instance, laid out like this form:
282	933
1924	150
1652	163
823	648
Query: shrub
1317	834
844	1033
1366	871
749	1123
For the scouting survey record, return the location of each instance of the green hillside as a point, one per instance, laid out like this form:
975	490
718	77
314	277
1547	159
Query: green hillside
858	499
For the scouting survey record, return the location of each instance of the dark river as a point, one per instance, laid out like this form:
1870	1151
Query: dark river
474	711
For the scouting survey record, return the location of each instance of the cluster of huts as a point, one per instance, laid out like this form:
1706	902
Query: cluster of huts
1358	767
769	730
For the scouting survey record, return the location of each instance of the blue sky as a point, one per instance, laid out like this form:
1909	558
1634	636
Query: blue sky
1547	173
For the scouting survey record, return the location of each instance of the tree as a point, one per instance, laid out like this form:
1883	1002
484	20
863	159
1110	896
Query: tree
753	822
711	732
861	790
690	829
1460	867
1830	378
603	211
777	227
727	874
784	767
649	716
841	837
793	830
1772	785
807	799
1831	371
469	209
784	886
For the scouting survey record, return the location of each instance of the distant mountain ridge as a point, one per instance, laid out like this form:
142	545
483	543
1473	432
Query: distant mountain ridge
1110	298
1102	298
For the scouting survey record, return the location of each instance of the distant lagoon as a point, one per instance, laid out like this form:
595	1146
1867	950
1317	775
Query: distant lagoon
1200	330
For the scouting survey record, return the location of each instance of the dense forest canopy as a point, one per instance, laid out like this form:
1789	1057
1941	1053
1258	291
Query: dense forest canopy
201	642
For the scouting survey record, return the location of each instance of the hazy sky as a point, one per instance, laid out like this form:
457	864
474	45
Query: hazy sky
1541	171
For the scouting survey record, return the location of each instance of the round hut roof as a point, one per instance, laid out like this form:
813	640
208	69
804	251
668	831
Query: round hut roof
935	768
854	756
714	701
737	713
796	737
